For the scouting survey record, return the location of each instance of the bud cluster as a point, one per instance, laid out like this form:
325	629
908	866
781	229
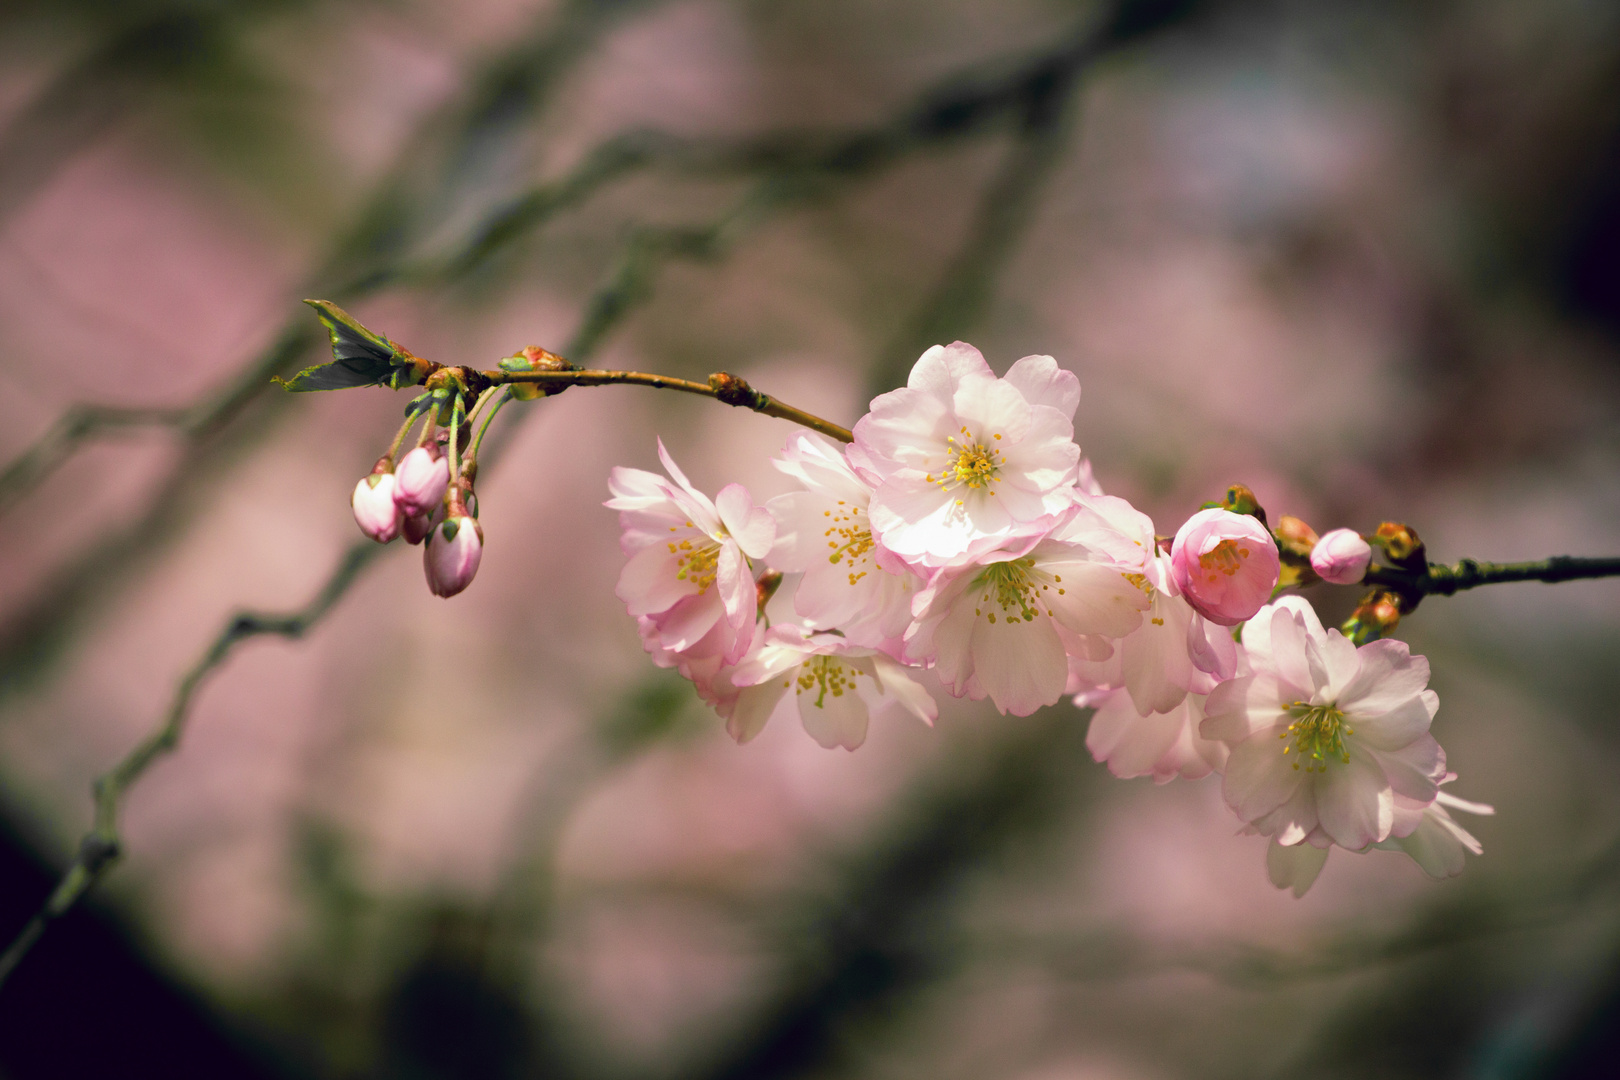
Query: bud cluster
962	533
428	497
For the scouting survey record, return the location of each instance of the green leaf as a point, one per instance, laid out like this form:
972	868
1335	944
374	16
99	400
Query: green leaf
360	357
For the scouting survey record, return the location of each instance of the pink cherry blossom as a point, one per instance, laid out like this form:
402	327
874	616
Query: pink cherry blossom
424	476
453	552
1225	564
1162	745
838	686
1001	625
960	457
688	564
374	509
851	582
1341	557
1325	737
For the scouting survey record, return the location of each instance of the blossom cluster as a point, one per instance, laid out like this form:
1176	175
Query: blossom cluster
962	533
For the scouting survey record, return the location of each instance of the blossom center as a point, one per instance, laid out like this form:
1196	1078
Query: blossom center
849	539
1318	732
827	675
969	463
1224	558
695	563
1015	587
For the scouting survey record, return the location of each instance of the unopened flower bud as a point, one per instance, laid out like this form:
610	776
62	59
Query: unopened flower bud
453	551
416	527
1225	564
1294	537
1400	541
1341	557
1377	616
374	508
421	480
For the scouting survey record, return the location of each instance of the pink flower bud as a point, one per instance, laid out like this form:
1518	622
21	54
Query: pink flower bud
416	527
374	508
421	480
452	554
1225	564
1341	557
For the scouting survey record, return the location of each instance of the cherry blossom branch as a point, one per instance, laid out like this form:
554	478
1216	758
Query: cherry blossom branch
1441	580
722	386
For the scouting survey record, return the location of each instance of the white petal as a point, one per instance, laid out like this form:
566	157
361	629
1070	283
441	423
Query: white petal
752	527
1354	801
1021	665
1295	867
1259	777
1042	382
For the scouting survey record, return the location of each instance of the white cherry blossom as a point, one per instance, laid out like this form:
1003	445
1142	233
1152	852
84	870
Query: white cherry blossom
1325	737
1000	625
960	457
837	684
851	582
688	568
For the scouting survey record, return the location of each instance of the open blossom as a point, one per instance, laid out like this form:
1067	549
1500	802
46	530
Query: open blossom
959	456
374	509
1001	624
688	557
1162	745
1341	557
838	686
1325	737
850	581
424	476
1225	564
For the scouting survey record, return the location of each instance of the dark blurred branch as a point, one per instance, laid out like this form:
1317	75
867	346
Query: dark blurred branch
101	846
507	90
1442	580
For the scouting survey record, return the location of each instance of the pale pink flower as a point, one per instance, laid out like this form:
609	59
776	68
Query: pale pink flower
423	477
960	457
1325	737
453	552
850	581
688	556
1225	564
1341	557
374	509
1162	745
1001	624
838	685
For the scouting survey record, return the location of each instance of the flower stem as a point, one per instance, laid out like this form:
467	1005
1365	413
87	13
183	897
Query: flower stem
399	440
478	440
